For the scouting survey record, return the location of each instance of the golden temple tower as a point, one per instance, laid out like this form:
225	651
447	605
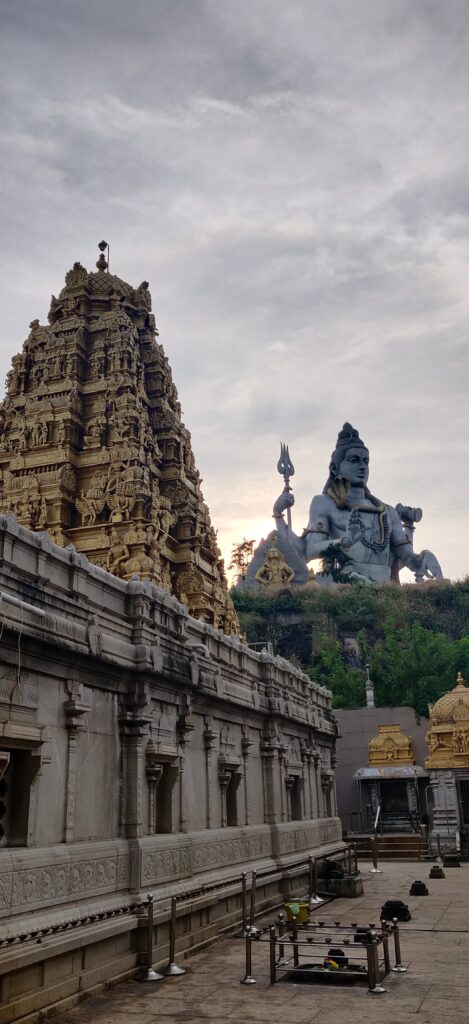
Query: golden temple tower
93	448
448	736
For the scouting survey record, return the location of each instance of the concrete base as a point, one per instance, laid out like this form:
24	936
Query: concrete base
351	885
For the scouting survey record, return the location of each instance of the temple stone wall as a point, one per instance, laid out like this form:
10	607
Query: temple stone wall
140	750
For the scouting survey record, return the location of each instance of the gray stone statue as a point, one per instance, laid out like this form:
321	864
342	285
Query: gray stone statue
347	515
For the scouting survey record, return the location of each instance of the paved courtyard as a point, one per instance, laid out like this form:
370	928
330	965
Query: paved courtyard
435	948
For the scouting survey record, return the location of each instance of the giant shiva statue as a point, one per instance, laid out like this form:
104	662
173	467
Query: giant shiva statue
376	537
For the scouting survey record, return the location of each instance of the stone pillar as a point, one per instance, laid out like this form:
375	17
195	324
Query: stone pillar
304	812
445	823
185	726
412	802
305	759
318	787
154	772
309	784
223	778
134	720
135	783
269	747
74	709
334	807
284	808
289	780
182	793
38	760
246	744
209	741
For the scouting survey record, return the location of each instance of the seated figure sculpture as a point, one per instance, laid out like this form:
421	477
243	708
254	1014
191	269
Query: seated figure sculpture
347	515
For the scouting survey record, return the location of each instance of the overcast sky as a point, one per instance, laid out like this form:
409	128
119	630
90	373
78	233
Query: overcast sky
293	180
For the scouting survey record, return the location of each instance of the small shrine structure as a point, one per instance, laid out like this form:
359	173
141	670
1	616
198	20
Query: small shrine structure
392	782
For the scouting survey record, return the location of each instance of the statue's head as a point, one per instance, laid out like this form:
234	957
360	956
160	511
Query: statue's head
349	464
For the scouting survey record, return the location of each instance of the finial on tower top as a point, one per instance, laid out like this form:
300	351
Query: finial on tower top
102	263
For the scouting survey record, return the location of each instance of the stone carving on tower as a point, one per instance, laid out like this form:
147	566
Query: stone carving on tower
94	451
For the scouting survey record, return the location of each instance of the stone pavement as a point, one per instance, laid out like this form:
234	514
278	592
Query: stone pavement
435	948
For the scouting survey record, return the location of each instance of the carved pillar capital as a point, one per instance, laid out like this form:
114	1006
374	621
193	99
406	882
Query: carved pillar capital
74	708
209	735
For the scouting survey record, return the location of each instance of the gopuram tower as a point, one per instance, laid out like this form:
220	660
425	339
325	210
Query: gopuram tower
93	449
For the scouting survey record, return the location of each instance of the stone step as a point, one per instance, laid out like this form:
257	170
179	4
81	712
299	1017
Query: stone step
391	847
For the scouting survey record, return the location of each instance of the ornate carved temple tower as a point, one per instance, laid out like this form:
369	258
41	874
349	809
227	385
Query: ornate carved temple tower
93	449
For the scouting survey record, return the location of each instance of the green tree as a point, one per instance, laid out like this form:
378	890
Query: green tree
241	555
415	637
328	669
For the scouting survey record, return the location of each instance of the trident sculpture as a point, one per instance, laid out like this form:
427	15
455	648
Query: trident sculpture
286	469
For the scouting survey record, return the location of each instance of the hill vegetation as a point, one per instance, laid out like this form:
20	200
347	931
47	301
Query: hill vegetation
414	637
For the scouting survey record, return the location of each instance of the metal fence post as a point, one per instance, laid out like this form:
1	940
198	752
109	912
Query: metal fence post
296	952
387	961
172	970
370	964
398	966
282	959
373	965
273	971
242	932
147	973
248	978
253	899
379	988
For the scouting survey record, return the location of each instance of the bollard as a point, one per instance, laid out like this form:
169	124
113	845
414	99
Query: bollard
282	959
248	978
387	961
375	870
374	986
252	913
242	933
379	988
172	970
398	966
355	857
272	939
147	973
296	952
370	963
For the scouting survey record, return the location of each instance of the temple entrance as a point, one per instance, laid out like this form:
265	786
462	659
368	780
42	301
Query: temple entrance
397	792
395	811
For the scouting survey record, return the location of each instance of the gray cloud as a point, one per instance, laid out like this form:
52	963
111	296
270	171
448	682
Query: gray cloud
292	179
